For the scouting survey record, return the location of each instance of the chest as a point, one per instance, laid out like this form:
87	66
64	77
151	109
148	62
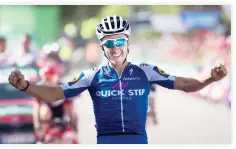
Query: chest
129	84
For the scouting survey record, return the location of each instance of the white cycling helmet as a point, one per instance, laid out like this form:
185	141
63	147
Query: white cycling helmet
112	25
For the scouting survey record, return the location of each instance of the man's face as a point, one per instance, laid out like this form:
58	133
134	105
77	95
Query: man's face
26	41
117	52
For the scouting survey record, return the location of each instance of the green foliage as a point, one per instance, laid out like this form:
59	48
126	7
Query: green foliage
226	19
166	9
122	10
146	35
88	28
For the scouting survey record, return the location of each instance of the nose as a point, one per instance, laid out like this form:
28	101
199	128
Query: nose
115	47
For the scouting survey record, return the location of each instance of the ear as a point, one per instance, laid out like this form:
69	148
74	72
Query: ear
128	42
102	48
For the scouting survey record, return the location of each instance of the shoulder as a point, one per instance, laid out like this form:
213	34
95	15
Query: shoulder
152	70
150	67
86	74
144	66
92	71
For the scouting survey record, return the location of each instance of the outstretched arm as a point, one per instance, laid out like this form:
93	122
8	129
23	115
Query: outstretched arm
49	93
193	85
160	77
41	92
45	93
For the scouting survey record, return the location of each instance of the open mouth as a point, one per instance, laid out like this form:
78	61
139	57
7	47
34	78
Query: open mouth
116	55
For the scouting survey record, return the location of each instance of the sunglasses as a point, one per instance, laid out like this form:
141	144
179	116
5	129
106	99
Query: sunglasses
119	42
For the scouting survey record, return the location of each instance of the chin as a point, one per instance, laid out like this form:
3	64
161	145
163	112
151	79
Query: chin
118	62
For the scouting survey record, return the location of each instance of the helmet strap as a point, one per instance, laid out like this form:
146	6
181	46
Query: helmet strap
126	57
106	56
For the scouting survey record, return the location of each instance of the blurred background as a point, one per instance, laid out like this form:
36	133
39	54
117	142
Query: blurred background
183	40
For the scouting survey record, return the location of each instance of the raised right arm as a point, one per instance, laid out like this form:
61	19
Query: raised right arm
50	93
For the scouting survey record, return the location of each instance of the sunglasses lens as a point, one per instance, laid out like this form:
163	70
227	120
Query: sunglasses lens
120	42
109	43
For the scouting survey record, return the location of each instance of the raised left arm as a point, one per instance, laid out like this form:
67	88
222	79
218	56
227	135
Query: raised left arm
193	85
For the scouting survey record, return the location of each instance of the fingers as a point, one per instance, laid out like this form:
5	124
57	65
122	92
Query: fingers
221	70
14	77
18	74
217	69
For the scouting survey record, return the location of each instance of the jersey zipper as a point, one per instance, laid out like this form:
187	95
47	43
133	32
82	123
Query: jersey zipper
121	99
121	107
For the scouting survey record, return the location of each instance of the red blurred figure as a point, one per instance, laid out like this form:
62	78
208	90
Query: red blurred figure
60	133
52	58
48	74
45	113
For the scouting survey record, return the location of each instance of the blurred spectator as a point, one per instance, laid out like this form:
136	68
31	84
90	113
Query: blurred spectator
3	53
92	53
26	56
50	56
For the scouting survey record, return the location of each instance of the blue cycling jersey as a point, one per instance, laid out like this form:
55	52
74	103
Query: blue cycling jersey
120	102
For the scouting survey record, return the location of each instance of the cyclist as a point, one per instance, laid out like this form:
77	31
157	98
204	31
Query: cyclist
119	89
45	112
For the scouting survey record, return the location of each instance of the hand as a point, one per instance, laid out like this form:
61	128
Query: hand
17	79
218	72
